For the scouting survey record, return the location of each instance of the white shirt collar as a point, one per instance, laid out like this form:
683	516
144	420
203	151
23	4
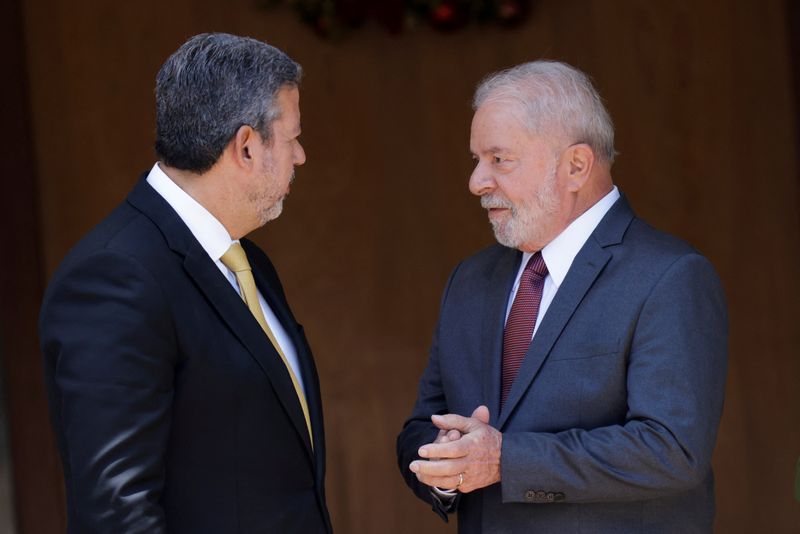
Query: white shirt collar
211	234
560	252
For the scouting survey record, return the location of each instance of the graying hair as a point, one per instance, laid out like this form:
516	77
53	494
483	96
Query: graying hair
556	97
210	87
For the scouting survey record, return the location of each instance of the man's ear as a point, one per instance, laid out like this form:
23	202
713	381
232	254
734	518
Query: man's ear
242	146
579	160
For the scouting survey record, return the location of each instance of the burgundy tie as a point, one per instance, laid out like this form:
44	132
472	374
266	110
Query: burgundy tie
521	320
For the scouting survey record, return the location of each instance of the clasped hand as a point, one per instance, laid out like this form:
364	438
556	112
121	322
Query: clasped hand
465	454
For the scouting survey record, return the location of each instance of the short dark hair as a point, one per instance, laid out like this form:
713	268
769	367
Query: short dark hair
210	87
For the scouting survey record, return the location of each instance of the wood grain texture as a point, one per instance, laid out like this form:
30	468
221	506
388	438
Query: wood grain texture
36	485
702	97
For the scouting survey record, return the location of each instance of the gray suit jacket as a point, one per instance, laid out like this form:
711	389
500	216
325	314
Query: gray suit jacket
611	422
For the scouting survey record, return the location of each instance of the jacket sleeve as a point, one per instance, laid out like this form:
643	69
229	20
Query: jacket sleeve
419	430
676	372
109	346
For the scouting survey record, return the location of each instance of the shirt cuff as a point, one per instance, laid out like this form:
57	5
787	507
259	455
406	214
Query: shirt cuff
445	497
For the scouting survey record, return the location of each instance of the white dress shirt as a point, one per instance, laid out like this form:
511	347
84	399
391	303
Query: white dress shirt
559	253
216	240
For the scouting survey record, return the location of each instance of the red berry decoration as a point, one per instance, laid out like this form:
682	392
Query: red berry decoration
449	15
333	19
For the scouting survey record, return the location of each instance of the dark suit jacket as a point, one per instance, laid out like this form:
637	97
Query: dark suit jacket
611	422
172	410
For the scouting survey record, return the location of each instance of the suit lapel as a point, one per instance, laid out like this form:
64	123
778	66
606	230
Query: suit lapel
223	298
585	269
242	323
500	280
587	265
280	308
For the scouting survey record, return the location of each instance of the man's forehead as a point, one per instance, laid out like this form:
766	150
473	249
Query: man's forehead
501	105
500	117
495	124
289	105
288	97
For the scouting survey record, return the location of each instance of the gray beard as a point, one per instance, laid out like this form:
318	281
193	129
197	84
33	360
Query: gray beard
273	211
525	224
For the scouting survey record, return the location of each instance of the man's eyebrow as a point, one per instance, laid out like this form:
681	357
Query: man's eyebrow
491	149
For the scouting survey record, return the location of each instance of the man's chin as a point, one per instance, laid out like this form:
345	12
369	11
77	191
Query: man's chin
502	235
272	213
506	242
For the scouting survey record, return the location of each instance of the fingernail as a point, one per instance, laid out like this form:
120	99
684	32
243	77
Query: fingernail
414	467
423	452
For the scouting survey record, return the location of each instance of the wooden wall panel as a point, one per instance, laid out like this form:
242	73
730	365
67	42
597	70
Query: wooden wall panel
702	99
36	481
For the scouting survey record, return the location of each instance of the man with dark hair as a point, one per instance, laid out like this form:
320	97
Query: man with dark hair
577	374
182	390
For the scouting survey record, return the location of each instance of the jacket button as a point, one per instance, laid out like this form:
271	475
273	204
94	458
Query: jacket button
540	496
559	497
529	496
550	496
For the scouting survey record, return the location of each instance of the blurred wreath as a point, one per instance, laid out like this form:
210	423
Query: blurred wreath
334	18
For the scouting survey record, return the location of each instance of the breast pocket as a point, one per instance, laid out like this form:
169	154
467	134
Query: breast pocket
596	375
583	350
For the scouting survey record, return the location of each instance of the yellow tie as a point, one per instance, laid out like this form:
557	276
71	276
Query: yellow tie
235	259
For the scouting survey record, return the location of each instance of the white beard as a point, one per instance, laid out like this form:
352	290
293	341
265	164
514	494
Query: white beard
526	222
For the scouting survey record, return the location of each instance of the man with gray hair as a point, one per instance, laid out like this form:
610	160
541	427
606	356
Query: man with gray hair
182	390
576	378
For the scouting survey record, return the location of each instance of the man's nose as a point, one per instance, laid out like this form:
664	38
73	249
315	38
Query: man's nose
481	181
299	155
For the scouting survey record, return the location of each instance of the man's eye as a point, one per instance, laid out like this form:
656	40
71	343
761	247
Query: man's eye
498	160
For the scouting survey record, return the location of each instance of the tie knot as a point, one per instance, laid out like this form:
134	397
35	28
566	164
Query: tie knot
235	259
536	265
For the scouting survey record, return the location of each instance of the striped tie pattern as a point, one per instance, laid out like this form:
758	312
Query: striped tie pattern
521	321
